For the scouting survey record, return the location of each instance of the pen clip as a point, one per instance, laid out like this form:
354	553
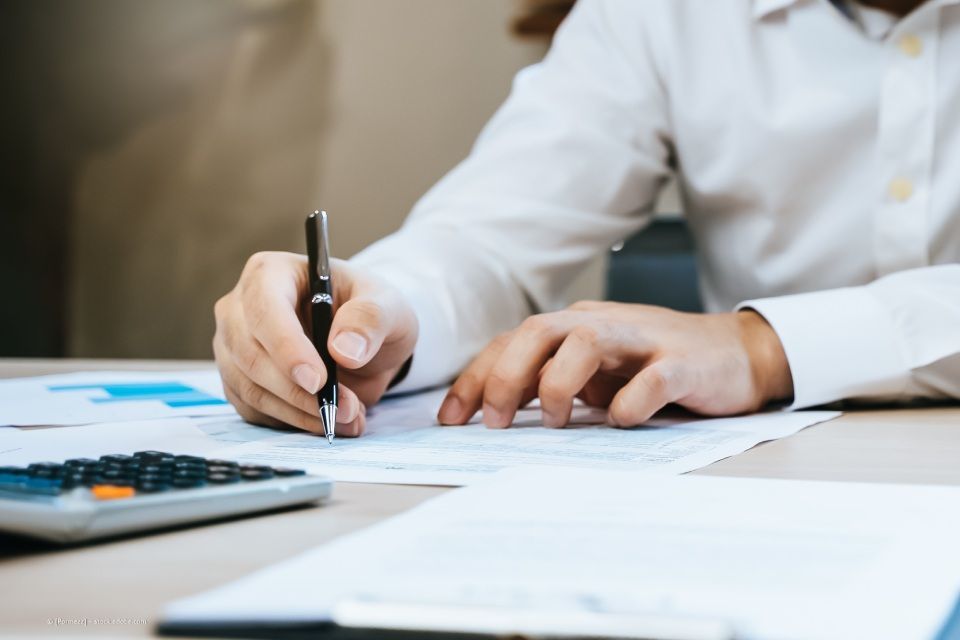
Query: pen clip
318	252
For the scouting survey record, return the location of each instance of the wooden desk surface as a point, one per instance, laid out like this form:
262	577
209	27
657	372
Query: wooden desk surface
133	578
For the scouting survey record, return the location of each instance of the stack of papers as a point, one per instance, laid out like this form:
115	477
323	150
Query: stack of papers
403	444
186	412
529	550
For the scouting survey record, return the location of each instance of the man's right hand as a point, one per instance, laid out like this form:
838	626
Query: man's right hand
270	369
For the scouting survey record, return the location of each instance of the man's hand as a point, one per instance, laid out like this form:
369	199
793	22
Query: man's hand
631	358
269	367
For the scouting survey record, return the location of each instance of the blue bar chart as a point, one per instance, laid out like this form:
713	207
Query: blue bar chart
174	394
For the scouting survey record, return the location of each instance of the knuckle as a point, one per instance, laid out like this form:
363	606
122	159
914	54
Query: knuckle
538	324
249	359
369	313
225	335
251	393
586	333
469	381
585	305
501	385
552	391
220	307
501	341
259	260
656	380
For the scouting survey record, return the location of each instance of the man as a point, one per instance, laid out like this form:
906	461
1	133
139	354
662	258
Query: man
817	146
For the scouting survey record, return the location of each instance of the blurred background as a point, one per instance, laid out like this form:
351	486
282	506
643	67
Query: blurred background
150	146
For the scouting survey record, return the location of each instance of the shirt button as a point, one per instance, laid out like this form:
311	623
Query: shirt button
900	189
911	45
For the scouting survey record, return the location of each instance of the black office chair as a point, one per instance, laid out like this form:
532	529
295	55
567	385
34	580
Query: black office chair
656	266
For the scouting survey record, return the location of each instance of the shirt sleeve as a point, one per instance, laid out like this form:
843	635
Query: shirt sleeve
897	338
571	163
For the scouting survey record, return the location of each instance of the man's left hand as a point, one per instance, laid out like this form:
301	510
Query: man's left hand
632	359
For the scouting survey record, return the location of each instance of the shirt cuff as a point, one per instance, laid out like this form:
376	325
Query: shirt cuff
840	344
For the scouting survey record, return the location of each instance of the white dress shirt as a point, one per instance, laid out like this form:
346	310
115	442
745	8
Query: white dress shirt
818	157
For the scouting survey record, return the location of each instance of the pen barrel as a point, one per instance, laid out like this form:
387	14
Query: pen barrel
321	319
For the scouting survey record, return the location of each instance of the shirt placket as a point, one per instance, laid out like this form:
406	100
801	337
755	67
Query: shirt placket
906	130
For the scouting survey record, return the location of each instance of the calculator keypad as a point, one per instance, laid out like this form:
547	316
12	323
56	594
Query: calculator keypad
117	476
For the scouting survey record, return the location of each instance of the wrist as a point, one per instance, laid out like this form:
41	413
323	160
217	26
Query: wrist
769	367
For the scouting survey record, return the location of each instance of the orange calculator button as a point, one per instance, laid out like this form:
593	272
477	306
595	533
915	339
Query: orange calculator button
111	492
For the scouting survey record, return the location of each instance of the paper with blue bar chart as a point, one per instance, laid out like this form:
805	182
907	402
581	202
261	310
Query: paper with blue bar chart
111	396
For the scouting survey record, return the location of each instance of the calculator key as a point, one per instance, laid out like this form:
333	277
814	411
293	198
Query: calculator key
153	487
116	458
111	492
189	466
260	473
189	473
189	483
223	478
154	477
79	462
156	468
219	468
286	472
47	473
151	454
196	459
45	467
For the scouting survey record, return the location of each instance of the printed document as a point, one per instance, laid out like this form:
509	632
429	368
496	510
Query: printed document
771	558
403	444
111	396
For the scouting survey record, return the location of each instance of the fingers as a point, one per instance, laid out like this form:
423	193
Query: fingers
519	365
359	329
465	396
655	386
353	423
258	404
575	363
255	363
269	292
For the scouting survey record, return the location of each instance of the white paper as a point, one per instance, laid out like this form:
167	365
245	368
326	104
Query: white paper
56	444
773	558
111	396
403	444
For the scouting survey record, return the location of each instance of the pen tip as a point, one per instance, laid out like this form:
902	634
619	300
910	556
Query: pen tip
328	416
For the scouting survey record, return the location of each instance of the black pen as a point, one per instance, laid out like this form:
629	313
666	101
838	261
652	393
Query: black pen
321	315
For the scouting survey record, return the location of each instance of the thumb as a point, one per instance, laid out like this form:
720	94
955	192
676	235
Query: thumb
359	328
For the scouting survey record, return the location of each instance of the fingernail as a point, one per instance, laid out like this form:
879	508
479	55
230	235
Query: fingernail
550	420
450	410
493	418
307	377
352	345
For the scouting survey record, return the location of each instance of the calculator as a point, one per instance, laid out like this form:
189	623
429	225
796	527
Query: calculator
85	498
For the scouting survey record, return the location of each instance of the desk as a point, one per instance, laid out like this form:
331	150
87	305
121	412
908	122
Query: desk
133	578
